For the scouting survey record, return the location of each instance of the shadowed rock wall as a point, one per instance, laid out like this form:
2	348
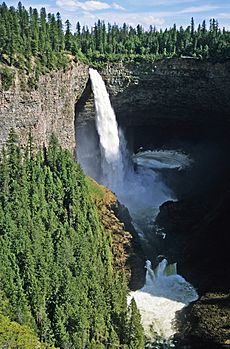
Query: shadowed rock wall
185	90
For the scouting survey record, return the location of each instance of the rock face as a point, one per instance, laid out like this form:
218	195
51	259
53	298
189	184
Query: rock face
48	108
170	94
176	90
206	323
165	100
198	238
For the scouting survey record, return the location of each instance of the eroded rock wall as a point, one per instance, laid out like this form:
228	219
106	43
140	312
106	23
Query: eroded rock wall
184	90
48	108
167	93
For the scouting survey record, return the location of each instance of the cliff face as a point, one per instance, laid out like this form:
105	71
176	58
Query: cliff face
165	100
48	108
185	90
169	94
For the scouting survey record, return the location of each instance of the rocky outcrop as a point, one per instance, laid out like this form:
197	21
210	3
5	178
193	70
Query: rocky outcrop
205	324
127	252
136	257
45	109
198	238
198	235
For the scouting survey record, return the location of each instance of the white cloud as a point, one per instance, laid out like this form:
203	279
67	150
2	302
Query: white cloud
145	19
154	3
67	4
88	12
117	6
91	5
198	9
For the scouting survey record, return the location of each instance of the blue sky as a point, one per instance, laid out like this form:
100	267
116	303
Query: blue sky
161	13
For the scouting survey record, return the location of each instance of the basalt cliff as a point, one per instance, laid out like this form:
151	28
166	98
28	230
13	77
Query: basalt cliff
182	94
46	109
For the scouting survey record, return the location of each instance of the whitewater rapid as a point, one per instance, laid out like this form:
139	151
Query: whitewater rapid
164	293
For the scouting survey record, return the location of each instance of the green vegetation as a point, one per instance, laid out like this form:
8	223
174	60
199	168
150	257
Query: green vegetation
57	282
111	43
40	42
16	336
31	41
136	338
6	77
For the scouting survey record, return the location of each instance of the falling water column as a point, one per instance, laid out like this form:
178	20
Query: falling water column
112	166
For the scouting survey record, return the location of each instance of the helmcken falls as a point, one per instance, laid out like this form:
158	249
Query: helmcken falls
136	182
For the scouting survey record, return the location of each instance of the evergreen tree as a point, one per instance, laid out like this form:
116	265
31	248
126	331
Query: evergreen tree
136	338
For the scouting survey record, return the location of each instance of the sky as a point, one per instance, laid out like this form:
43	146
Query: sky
159	13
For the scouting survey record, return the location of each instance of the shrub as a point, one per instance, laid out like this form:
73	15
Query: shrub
7	77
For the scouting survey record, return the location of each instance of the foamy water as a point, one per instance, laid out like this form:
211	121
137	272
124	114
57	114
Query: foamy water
160	159
164	293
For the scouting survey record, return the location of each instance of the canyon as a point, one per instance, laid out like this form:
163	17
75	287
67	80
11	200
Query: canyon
175	104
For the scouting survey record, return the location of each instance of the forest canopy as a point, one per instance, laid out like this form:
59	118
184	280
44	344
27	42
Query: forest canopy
33	40
57	281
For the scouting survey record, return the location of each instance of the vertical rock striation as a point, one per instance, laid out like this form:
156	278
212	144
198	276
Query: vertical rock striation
174	90
48	108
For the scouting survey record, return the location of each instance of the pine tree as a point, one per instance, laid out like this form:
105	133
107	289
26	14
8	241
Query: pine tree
68	36
136	337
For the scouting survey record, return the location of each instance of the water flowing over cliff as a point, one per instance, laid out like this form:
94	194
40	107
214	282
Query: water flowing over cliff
134	188
142	191
112	165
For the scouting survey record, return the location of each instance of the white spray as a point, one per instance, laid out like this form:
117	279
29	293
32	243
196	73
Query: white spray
164	293
134	189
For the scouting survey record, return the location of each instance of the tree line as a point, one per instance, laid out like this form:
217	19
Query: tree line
58	286
38	42
113	42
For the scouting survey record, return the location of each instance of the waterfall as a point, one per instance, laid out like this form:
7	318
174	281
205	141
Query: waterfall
112	166
141	190
136	190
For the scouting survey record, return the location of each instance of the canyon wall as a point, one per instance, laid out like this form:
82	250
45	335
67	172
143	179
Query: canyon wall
181	93
45	109
167	91
173	94
171	89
